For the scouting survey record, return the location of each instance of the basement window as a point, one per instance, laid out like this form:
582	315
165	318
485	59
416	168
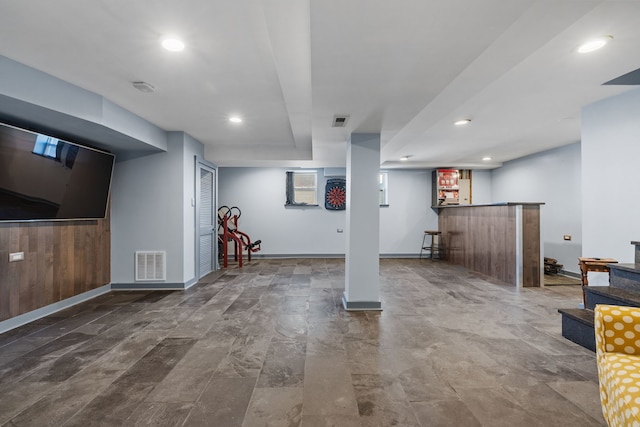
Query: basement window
302	188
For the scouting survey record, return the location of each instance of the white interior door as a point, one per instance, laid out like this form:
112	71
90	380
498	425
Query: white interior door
206	219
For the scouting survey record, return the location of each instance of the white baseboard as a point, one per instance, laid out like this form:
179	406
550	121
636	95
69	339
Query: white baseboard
331	256
39	313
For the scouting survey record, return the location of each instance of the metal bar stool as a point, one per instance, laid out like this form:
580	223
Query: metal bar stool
433	245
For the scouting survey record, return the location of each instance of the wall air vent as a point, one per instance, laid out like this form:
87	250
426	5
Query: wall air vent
340	121
151	266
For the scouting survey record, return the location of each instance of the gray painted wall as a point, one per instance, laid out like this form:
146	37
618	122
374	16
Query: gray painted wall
481	186
409	214
610	153
151	210
552	177
260	194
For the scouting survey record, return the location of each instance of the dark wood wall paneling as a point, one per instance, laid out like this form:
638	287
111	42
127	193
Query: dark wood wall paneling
483	239
61	260
531	249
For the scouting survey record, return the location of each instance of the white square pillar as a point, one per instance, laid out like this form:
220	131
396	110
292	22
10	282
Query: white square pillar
362	264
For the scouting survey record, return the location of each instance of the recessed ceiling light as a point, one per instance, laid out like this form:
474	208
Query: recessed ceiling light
462	122
594	44
404	158
486	158
172	44
235	119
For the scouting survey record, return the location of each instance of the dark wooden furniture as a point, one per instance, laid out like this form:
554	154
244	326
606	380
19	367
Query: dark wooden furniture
592	264
500	240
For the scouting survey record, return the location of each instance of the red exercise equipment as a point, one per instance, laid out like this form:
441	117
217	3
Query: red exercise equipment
228	232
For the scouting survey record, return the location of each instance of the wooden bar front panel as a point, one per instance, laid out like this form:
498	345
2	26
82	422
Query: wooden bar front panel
61	260
484	239
531	250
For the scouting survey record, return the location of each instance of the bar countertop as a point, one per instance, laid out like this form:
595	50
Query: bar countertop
492	204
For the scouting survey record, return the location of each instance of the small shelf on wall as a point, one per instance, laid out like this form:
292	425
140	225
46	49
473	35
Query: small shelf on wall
446	190
450	187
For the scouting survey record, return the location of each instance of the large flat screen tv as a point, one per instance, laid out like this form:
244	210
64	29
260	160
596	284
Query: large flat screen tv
43	178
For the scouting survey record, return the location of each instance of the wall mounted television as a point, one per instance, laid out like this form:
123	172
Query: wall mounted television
43	178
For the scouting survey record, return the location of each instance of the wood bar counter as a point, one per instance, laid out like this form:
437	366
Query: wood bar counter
500	240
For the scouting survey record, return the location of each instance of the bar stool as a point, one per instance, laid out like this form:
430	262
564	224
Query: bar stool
433	245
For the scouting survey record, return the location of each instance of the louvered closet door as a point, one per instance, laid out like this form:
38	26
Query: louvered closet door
206	220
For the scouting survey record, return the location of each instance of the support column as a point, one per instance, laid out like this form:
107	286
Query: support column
362	264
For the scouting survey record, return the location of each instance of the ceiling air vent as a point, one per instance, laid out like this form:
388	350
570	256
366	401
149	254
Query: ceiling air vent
151	266
144	87
340	121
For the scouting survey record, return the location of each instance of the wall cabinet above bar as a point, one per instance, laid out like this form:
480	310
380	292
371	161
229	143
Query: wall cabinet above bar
451	187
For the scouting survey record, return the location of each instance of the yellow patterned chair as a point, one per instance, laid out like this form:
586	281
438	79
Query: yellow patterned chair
618	354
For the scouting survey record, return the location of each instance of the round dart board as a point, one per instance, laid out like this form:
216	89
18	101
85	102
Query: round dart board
335	197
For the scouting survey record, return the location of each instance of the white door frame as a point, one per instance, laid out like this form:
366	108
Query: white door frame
200	164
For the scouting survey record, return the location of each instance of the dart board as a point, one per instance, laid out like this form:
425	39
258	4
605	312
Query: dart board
335	195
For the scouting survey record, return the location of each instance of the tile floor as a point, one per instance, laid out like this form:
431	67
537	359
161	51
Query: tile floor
270	345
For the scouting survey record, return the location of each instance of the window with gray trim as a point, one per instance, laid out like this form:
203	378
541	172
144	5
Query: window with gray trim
302	188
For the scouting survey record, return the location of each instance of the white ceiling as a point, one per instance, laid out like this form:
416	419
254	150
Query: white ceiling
406	69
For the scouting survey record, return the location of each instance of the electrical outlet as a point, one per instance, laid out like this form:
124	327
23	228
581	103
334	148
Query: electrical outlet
16	256
567	237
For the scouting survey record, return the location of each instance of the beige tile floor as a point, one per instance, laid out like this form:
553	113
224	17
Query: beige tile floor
270	345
